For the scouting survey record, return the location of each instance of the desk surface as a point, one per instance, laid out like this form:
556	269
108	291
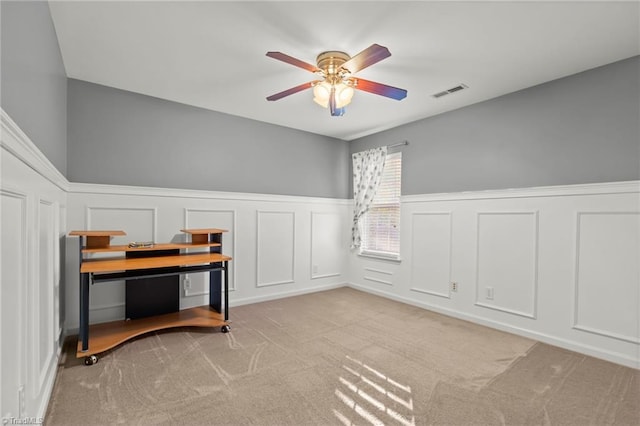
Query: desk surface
163	246
102	233
96	233
203	231
130	264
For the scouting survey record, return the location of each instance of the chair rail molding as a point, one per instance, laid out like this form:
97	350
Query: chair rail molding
16	142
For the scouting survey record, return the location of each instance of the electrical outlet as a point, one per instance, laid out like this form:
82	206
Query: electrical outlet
186	284
489	293
315	269
454	286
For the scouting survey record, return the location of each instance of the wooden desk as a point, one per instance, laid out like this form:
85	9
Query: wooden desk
150	263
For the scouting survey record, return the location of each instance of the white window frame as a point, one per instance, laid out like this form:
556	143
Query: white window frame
390	189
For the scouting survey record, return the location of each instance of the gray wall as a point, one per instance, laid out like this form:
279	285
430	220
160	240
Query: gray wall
33	79
578	129
120	137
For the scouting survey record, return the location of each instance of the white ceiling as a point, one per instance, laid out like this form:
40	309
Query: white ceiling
211	54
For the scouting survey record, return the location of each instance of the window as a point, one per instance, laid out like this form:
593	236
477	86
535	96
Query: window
381	224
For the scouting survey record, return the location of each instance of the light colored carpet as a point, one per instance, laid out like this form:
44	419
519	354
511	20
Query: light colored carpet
342	357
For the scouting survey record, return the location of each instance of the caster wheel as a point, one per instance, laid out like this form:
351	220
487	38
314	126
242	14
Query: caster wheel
225	329
90	360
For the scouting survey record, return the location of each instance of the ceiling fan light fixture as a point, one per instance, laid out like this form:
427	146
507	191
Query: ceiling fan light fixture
322	94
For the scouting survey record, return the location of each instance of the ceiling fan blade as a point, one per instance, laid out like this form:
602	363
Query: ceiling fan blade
369	56
379	89
293	61
291	91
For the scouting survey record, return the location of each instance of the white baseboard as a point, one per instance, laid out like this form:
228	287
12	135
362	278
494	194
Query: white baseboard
281	295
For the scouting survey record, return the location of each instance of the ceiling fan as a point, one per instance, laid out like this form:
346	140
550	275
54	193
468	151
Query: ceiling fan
336	85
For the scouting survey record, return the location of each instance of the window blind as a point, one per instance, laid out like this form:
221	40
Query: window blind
381	226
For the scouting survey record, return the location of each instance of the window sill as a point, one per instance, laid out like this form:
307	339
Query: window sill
381	256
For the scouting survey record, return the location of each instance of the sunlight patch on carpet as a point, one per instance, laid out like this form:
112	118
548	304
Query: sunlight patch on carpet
371	394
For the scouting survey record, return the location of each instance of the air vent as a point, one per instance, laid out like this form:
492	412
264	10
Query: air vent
449	91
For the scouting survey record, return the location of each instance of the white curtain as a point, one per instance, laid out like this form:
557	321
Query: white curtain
367	173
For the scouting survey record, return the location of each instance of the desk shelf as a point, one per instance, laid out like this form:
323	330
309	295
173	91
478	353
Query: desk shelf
105	336
152	286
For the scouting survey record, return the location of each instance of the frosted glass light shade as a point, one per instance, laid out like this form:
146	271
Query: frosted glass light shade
344	94
322	93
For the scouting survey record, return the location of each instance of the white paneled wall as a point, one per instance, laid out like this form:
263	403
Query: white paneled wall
271	239
557	264
32	213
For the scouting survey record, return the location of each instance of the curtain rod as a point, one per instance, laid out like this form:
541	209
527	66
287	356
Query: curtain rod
398	144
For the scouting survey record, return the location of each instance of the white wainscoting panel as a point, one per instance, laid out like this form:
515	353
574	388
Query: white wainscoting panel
32	191
327	251
431	253
206	218
607	284
276	250
557	264
14	277
507	265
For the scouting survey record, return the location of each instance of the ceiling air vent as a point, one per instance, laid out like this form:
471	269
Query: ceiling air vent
449	91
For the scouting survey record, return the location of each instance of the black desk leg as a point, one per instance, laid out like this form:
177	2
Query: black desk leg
83	333
215	280
84	311
225	267
215	290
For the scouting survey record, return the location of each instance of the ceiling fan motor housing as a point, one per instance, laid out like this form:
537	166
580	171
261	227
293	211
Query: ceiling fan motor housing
331	62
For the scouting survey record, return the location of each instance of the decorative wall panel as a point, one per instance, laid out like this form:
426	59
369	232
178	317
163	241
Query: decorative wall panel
431	253
507	262
327	248
13	274
376	275
275	247
607	283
